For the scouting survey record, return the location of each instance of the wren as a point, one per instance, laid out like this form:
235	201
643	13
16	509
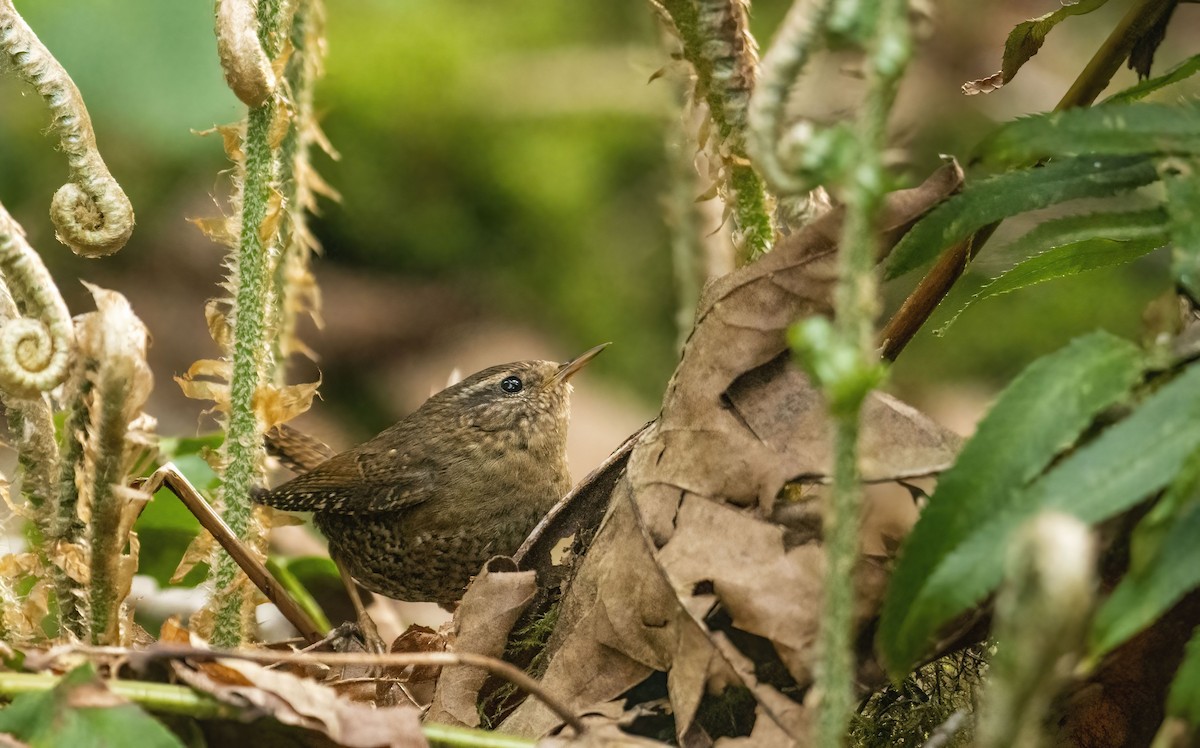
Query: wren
417	510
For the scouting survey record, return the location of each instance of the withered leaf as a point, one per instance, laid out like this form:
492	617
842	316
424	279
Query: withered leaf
218	323
302	702
279	404
1141	56
418	638
199	551
768	590
617	624
491	606
219	229
172	632
704	446
686	534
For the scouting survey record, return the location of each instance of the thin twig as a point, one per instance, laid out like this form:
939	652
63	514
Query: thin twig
1094	78
499	668
169	477
919	305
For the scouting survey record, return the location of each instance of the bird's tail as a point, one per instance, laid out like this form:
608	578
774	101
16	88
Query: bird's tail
296	450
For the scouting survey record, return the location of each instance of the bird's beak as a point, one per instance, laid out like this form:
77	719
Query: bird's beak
567	370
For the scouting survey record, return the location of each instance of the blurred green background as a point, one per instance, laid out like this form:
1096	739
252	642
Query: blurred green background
503	170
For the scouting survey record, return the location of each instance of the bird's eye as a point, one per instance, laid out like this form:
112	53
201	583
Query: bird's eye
511	385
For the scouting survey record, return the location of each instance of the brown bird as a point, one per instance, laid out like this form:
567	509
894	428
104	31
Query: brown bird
416	511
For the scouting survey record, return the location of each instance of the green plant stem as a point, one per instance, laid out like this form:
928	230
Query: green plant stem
1108	58
800	35
856	304
164	698
253	298
685	221
717	43
836	670
107	540
463	737
67	527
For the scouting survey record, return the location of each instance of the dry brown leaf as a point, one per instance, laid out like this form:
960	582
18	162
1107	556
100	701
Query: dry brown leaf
218	323
215	389
986	85
218	368
317	184
173	632
618	623
418	638
302	702
784	412
492	604
275	405
738	421
199	551
232	137
740	327
767	589
72	558
269	228
22	615
219	229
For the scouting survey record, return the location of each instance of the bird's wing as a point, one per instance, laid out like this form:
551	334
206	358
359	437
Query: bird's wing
359	481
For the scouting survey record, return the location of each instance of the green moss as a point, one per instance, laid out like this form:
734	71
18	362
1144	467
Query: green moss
908	713
525	644
728	714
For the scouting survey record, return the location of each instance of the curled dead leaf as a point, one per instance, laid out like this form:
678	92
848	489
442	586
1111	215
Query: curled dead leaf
216	389
218	323
993	82
199	551
275	405
269	228
491	606
302	702
219	229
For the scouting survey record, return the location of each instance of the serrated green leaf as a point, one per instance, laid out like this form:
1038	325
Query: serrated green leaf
1130	460
1162	574
1041	413
1184	698
989	200
1074	245
1027	37
1182	71
1114	130
82	713
1126	463
1182	180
